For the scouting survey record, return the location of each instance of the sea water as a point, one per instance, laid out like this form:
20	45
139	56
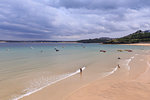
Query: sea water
29	67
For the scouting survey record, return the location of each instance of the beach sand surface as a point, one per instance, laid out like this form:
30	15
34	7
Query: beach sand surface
124	84
138	44
132	85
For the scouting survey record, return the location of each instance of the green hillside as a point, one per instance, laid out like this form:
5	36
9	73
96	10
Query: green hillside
96	40
139	36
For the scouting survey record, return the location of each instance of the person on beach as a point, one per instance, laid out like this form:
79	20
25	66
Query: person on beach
119	58
118	66
80	71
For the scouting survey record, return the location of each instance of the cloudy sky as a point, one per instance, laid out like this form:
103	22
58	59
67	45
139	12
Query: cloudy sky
71	19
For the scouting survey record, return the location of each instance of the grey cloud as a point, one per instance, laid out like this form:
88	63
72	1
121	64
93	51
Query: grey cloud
102	4
74	19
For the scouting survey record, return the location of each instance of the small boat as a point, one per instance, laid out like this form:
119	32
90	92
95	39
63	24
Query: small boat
128	50
56	50
120	50
102	51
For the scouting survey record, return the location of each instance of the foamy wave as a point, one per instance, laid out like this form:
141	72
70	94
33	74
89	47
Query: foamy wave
128	61
148	63
109	73
148	68
62	77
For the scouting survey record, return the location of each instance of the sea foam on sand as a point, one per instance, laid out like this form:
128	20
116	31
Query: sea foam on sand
62	77
118	87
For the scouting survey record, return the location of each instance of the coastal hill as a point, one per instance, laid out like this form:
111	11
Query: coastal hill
96	40
137	37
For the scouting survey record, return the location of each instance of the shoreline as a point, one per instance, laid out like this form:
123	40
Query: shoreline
32	95
74	82
47	89
137	44
72	92
51	83
131	86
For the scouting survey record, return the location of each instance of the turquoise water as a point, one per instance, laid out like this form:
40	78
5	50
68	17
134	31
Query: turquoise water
27	67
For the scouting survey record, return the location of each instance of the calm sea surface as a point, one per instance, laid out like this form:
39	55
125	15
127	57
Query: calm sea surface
28	67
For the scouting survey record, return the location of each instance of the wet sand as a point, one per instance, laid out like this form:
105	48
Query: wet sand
124	84
62	89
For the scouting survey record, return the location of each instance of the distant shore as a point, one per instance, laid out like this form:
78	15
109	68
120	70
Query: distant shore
138	44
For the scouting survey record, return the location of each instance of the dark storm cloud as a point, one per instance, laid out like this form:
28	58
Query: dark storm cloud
104	4
71	19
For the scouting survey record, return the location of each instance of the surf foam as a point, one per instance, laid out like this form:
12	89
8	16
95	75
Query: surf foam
109	73
148	68
128	61
38	89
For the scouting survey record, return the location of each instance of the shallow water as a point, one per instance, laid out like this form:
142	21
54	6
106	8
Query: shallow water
27	67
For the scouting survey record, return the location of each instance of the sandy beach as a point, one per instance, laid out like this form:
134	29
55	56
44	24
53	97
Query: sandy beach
124	84
138	44
128	86
74	50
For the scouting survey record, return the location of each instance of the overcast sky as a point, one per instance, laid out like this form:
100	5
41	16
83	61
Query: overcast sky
71	19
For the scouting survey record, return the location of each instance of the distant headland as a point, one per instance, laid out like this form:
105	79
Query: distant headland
136	37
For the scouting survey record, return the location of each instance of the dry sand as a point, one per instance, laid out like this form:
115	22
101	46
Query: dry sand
138	44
